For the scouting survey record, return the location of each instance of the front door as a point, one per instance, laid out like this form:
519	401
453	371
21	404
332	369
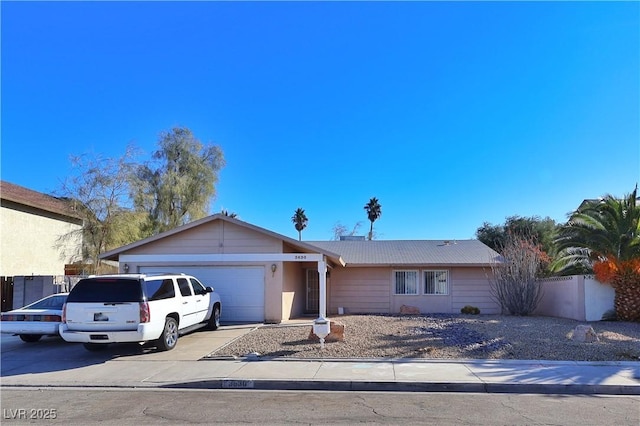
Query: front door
313	292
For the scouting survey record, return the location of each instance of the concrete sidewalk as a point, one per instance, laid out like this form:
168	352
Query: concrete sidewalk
55	363
613	378
426	376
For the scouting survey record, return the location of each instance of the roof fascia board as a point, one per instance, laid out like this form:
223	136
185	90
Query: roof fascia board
419	265
31	208
230	257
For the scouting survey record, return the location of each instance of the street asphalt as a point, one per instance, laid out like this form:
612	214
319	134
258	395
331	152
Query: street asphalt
55	363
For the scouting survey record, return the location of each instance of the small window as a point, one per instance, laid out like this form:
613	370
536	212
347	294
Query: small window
183	284
198	288
160	289
406	282
436	282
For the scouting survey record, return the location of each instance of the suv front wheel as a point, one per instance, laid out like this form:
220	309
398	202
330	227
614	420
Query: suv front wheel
169	337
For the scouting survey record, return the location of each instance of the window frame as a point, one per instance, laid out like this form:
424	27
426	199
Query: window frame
406	271
184	287
198	287
436	282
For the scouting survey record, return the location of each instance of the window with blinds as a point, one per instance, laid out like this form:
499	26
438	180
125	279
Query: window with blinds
436	282
406	282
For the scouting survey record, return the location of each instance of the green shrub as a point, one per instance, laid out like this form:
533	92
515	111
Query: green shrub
470	310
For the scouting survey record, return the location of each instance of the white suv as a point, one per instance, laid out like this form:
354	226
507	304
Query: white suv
137	308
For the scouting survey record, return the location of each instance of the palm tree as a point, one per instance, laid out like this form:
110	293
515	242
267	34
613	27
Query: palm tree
374	211
300	221
604	237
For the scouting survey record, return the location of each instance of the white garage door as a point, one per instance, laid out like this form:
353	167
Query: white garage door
241	288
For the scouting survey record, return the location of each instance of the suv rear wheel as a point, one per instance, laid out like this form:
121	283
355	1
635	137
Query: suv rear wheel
214	321
169	337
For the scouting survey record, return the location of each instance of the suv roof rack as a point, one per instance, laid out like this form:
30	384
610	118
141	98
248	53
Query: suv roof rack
154	274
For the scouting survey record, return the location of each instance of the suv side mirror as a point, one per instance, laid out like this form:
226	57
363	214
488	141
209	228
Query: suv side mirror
209	289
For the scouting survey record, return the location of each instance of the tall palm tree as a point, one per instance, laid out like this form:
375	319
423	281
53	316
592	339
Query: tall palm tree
604	237
299	220
374	211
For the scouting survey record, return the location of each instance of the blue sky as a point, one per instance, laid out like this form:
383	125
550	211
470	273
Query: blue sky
451	114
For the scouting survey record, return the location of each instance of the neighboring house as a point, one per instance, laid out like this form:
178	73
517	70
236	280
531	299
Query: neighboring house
30	226
264	276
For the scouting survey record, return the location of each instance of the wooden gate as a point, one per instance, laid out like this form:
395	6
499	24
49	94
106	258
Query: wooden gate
6	293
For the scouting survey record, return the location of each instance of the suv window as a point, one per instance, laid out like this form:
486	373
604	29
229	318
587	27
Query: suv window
106	290
160	289
183	284
197	287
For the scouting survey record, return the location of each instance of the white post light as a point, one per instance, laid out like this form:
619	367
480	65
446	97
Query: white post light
322	272
322	326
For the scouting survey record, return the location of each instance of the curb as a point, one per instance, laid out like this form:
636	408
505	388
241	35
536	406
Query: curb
466	361
363	386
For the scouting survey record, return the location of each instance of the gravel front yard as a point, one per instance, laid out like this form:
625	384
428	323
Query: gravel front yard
447	337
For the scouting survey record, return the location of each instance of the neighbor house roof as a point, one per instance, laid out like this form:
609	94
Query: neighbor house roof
27	197
411	252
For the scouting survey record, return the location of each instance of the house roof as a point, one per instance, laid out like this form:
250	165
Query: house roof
411	252
299	245
359	252
27	197
596	201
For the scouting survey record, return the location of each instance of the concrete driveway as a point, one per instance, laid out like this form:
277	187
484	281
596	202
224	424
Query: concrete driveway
53	354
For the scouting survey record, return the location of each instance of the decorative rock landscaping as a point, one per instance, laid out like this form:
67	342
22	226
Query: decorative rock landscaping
444	336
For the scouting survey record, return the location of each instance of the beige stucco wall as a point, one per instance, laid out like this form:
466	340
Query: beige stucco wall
293	291
360	290
598	298
471	286
577	297
562	297
28	244
217	237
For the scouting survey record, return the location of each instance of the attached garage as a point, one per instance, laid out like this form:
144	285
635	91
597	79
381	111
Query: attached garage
241	288
259	275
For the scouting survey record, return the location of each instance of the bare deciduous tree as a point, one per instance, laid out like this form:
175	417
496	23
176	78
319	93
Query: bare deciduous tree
340	230
98	189
515	278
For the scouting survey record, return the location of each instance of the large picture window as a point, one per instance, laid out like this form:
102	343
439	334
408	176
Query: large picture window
436	282
406	282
